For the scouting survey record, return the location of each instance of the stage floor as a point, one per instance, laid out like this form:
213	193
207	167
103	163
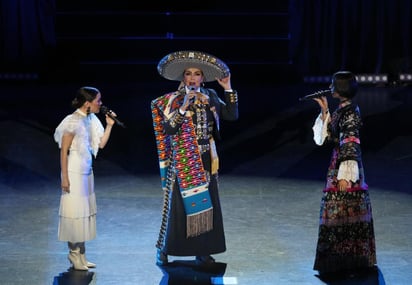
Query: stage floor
271	225
271	181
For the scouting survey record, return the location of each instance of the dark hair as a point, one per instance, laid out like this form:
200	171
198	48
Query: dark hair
345	83
84	94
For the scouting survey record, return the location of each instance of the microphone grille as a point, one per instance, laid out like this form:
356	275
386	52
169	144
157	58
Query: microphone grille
104	109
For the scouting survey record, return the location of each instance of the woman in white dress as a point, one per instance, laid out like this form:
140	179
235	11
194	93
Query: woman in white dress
79	136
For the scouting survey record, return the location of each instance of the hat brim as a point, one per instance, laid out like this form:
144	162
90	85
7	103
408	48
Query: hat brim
173	65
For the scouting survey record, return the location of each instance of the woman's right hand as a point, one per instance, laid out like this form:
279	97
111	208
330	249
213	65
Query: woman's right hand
323	103
187	99
65	185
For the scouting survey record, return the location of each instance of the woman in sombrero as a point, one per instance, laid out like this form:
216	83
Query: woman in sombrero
186	125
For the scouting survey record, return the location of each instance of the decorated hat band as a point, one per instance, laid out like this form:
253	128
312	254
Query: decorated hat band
173	65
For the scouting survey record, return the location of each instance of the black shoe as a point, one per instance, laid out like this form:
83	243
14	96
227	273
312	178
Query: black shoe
205	259
332	276
161	258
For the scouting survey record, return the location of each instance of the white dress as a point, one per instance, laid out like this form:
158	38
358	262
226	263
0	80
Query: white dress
77	211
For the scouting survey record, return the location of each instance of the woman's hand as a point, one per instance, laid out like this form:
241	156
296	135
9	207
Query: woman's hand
323	103
225	82
342	185
190	97
65	185
110	121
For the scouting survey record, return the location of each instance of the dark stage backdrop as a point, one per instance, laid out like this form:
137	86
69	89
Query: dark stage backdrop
364	36
27	36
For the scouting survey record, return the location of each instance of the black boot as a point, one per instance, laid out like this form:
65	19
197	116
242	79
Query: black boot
205	259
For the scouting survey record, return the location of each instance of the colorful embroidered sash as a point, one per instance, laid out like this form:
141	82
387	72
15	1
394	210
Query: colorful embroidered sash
182	150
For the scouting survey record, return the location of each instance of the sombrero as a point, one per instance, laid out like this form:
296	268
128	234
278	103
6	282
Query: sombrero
174	64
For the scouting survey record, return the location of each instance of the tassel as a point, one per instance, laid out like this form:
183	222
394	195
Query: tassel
199	223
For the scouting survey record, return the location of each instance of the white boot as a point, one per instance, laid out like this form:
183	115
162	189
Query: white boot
74	257
85	262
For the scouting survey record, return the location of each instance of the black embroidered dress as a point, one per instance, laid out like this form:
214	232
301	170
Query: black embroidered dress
346	238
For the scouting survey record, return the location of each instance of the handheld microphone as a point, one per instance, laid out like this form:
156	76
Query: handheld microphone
192	88
317	94
108	112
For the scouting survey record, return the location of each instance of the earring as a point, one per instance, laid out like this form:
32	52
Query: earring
88	110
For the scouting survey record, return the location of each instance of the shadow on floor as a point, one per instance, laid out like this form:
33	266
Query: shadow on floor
189	273
371	276
75	277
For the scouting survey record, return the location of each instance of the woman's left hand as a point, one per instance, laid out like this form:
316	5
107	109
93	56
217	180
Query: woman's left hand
109	120
225	82
342	185
323	103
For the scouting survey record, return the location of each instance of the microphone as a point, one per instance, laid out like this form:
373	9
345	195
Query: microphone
192	88
108	112
317	94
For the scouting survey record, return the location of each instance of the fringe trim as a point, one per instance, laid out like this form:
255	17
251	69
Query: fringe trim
199	223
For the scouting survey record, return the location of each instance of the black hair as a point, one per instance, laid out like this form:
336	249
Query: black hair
84	94
345	83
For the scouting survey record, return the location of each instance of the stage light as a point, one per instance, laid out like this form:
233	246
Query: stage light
372	78
361	78
317	79
405	77
18	76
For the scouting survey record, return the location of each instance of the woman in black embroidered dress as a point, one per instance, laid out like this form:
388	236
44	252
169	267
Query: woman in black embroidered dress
346	240
186	124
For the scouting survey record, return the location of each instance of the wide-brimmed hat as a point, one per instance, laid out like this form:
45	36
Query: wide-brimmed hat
173	65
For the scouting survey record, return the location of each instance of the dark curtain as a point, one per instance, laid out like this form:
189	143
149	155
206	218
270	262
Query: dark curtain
27	35
363	36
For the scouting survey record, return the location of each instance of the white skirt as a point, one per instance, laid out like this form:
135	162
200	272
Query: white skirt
77	212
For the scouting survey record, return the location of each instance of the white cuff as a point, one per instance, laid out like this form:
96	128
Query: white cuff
348	170
320	129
